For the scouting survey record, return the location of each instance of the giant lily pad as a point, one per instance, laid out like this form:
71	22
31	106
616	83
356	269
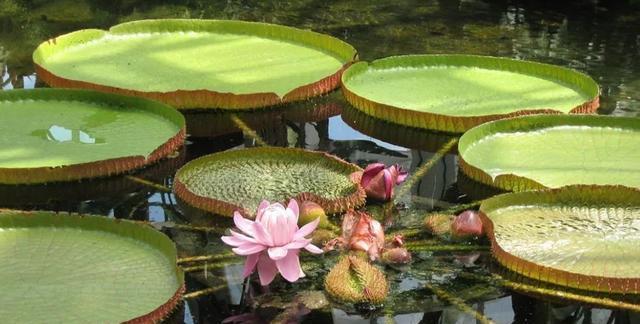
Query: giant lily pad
197	63
453	93
583	237
240	179
552	151
60	135
59	268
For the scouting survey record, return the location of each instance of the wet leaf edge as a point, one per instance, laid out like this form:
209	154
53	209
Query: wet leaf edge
512	182
103	168
146	234
619	196
460	124
204	99
331	206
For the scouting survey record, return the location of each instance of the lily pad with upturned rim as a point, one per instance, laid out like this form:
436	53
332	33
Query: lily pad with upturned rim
52	135
452	93
551	151
224	182
68	268
192	63
583	237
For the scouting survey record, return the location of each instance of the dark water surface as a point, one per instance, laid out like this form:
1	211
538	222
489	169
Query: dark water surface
600	38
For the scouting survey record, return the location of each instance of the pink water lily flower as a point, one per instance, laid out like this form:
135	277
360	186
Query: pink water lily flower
273	241
378	181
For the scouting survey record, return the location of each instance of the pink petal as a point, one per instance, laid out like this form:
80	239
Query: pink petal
280	232
233	241
293	206
388	184
277	253
371	171
266	269
297	244
306	230
289	266
250	264
402	175
263	205
313	249
248	249
261	235
243	224
243	237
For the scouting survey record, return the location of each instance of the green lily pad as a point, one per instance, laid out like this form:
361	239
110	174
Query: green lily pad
61	135
62	268
534	152
583	237
197	63
224	182
453	93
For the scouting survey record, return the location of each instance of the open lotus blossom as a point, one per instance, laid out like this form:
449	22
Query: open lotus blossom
379	181
273	241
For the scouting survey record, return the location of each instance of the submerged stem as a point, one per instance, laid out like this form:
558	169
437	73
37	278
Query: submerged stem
458	303
248	130
203	292
423	169
216	257
148	183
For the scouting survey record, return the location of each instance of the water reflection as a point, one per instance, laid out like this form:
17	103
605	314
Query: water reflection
62	134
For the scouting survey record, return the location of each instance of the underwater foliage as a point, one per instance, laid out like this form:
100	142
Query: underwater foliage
565	150
273	241
464	90
354	280
238	180
247	64
58	259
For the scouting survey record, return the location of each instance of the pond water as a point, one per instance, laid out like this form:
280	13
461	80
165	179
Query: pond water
600	38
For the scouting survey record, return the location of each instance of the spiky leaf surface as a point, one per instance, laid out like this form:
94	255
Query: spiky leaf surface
61	135
354	280
583	237
534	152
192	63
453	93
61	268
239	180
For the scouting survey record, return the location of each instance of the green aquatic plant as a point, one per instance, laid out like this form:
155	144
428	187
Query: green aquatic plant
354	280
238	180
534	152
191	63
583	237
120	270
463	91
61	135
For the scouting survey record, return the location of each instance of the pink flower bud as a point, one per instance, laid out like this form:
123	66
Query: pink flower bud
466	225
379	181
